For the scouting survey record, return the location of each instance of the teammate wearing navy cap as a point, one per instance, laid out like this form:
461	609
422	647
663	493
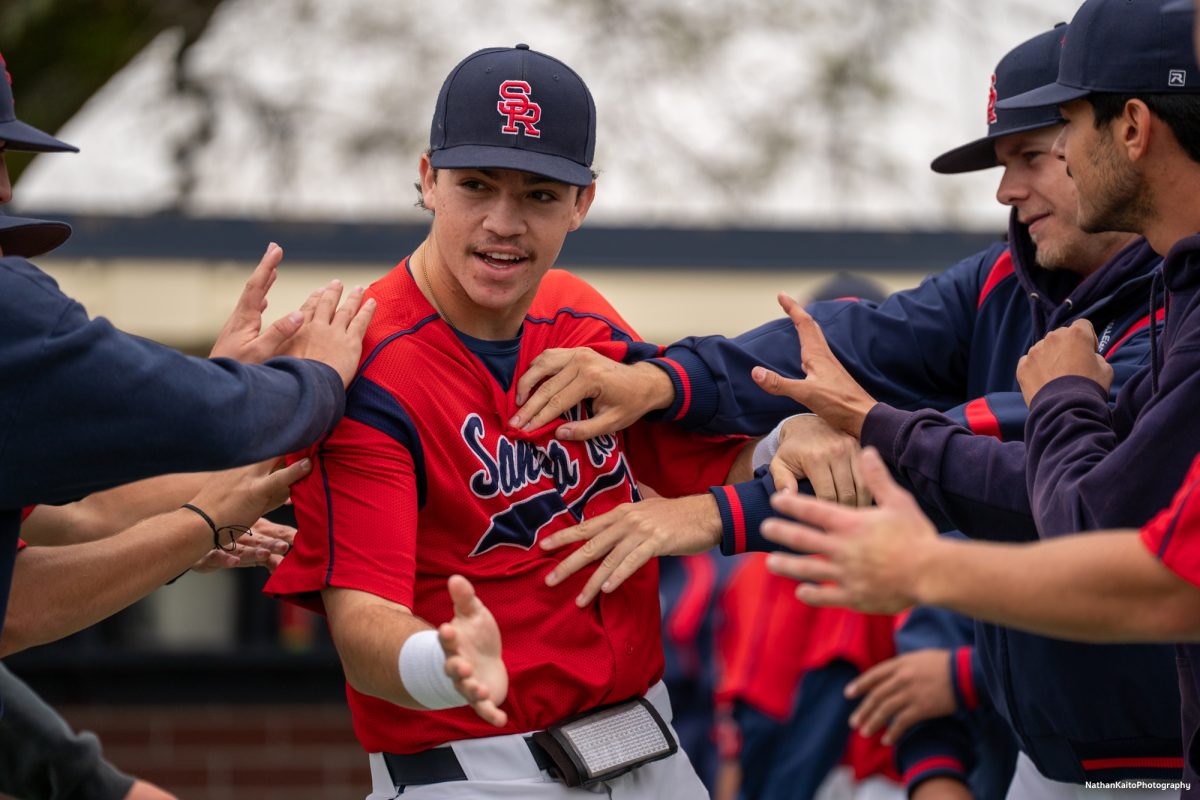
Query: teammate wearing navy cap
424	482
950	345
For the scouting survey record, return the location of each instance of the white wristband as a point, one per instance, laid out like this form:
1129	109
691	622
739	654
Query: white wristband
423	672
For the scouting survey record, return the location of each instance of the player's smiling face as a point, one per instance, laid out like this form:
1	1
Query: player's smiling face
495	233
1036	184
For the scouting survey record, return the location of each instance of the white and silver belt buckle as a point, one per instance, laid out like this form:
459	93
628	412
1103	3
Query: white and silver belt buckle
607	742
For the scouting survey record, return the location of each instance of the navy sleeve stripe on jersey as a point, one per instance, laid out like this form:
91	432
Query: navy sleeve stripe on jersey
619	334
375	407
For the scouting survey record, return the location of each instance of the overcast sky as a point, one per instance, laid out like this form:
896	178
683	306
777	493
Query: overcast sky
319	110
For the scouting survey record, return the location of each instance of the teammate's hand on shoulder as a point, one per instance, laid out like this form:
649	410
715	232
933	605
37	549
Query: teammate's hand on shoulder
242	338
630	535
1065	351
902	691
809	447
264	545
560	379
333	335
471	641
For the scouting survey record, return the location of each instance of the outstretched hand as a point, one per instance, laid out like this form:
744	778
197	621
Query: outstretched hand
828	389
873	556
330	334
902	691
264	545
471	642
242	338
810	448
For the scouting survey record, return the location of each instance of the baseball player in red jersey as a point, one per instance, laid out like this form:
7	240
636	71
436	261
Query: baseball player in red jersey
425	502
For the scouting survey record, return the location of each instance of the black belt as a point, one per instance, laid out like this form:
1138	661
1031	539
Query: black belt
439	765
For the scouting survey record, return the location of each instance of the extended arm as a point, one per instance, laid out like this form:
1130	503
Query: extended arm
1103	586
57	591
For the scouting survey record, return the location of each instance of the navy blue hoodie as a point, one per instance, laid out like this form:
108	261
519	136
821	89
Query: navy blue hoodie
953	344
85	407
1096	467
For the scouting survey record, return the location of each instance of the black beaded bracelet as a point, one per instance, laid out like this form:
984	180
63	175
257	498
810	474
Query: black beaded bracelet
234	530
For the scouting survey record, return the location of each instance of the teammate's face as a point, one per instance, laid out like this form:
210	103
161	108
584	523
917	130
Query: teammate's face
495	233
1036	184
1112	193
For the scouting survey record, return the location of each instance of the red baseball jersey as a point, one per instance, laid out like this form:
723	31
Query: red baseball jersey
423	478
1173	536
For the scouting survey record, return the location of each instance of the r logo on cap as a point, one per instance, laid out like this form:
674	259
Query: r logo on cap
517	107
1177	77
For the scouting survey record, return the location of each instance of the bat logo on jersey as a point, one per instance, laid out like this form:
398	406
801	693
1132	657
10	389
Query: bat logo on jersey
516	106
511	466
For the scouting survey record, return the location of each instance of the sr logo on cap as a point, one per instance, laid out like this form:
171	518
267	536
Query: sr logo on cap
516	106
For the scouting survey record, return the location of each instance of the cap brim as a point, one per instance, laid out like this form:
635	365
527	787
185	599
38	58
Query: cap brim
487	157
16	135
1052	94
27	237
979	154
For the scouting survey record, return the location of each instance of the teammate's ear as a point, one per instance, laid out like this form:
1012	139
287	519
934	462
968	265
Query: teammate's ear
428	183
583	201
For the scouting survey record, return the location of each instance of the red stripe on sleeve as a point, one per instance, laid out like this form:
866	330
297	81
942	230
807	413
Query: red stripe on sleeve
1000	270
1170	762
685	382
980	418
966	682
932	763
739	518
1137	326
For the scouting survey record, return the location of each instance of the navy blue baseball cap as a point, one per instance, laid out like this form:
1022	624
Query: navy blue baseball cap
26	237
515	108
1027	66
16	135
1120	46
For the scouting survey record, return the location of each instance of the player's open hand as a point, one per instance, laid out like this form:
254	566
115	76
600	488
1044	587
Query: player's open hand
472	644
1065	351
630	535
561	378
902	691
828	389
242	338
810	448
264	545
333	335
873	556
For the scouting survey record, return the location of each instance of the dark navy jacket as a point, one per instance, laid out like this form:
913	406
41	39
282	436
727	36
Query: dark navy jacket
85	407
1094	467
1080	711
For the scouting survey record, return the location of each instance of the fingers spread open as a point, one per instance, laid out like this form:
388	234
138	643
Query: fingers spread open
462	594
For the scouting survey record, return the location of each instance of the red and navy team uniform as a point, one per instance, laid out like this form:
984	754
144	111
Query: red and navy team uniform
941	359
424	479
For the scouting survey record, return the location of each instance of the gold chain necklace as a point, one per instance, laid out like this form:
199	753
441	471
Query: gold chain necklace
433	297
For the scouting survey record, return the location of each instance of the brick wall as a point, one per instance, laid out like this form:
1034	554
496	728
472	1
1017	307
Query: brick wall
233	752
